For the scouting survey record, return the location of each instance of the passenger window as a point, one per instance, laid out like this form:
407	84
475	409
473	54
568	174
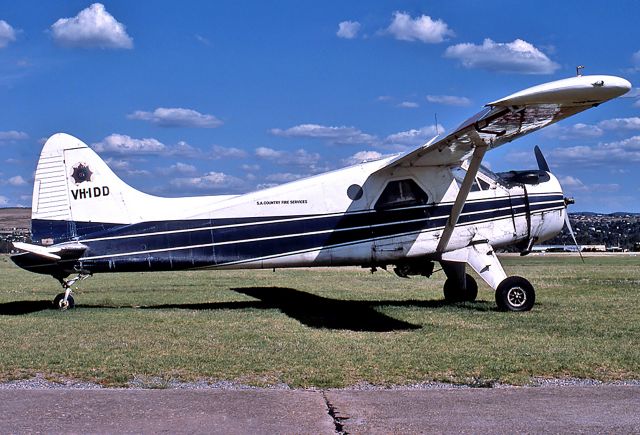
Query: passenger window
401	193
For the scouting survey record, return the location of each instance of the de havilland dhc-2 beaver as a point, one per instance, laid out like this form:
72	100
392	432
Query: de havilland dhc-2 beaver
433	203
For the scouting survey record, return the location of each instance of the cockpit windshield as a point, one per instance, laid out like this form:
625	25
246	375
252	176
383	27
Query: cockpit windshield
486	177
482	181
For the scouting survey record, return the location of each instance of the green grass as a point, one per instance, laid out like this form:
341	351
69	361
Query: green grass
324	327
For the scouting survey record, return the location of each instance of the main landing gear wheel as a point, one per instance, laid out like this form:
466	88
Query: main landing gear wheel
515	293
454	294
60	304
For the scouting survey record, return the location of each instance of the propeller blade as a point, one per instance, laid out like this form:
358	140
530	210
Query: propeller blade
573	236
542	162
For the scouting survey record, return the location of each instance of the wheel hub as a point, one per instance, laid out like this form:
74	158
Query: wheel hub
517	296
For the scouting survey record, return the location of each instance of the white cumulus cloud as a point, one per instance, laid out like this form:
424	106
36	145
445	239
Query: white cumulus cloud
7	34
571	183
121	143
513	57
299	157
409	105
422	28
176	117
348	29
179	168
414	136
12	136
361	156
268	153
618	154
17	181
93	27
123	166
284	177
338	135
4	200
632	123
210	181
574	131
220	152
449	100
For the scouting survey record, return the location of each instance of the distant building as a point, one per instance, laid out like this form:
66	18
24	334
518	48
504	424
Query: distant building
593	248
569	248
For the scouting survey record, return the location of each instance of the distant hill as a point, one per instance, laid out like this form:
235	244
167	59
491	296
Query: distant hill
15	217
620	229
15	226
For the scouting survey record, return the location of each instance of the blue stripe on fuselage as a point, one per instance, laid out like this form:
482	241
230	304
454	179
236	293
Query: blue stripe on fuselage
205	242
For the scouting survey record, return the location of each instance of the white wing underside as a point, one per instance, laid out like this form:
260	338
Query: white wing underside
514	116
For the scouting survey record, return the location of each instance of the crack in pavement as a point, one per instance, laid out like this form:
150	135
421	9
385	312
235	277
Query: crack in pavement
333	413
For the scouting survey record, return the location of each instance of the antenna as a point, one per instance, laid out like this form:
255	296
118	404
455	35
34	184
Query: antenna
579	69
435	115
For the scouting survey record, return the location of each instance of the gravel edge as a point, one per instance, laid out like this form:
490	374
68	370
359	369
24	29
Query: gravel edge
40	382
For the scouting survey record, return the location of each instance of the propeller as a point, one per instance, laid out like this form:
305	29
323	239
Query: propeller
542	162
544	166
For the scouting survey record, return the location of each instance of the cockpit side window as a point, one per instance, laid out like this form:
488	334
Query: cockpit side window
483	184
459	174
401	193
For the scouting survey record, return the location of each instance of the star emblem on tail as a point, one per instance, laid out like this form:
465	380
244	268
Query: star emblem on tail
81	173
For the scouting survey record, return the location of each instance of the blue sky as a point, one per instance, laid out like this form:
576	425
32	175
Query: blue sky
201	98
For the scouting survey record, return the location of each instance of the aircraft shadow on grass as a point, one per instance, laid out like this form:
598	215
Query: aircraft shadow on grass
321	312
309	309
17	308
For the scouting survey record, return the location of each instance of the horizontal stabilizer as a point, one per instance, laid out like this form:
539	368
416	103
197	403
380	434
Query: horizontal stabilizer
51	252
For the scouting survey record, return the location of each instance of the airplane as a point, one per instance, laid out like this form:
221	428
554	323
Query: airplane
434	203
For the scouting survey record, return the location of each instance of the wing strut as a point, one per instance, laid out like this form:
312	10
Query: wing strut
478	153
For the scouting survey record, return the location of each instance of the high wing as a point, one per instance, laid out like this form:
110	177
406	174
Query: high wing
509	118
503	121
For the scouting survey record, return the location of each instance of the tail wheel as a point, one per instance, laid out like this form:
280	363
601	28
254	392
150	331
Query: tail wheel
59	303
515	293
452	293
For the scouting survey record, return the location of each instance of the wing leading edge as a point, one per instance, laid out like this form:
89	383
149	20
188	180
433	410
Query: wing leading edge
516	115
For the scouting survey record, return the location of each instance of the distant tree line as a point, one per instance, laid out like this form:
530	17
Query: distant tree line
614	230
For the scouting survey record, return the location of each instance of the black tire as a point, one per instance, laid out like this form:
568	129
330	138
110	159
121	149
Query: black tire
515	293
58	304
454	294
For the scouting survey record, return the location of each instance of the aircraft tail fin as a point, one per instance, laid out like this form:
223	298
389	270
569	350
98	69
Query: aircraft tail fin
73	186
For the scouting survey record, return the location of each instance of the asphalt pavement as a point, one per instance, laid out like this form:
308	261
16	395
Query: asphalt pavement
593	409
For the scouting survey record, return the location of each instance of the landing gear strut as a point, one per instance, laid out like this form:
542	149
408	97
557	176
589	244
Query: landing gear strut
459	286
454	293
65	301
